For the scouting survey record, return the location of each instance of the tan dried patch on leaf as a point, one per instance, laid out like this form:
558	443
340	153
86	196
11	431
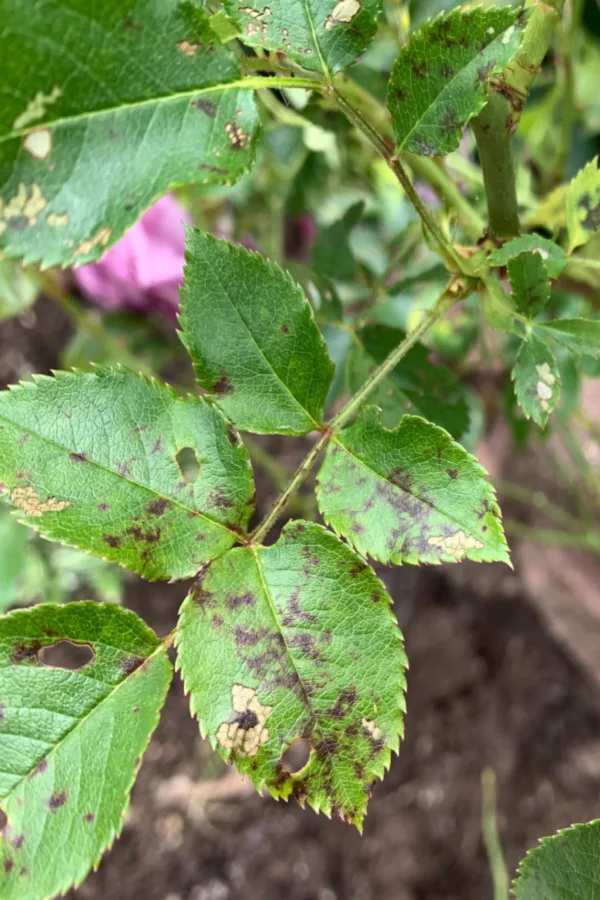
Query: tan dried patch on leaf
39	143
343	12
372	728
260	23
57	220
456	545
237	136
27	204
245	731
36	108
545	386
188	48
100	239
27	499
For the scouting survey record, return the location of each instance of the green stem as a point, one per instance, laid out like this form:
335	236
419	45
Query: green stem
268	82
570	42
455	291
489	827
445	248
494	145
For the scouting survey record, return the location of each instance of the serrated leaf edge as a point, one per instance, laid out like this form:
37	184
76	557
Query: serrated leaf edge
528	860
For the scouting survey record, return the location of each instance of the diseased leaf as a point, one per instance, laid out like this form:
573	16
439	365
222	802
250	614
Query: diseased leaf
71	741
583	205
537	380
579	336
322	35
332	254
415	385
530	283
109	106
253	339
441	78
412	495
93	461
296	640
563	867
554	256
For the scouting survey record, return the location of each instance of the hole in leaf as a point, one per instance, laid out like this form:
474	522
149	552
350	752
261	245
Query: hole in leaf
296	756
188	464
3	820
66	655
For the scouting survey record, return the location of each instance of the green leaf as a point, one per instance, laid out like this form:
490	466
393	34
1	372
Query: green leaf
110	106
321	35
554	256
296	640
415	385
18	289
537	380
412	495
530	283
583	205
252	337
441	78
332	254
91	460
580	336
563	867
71	741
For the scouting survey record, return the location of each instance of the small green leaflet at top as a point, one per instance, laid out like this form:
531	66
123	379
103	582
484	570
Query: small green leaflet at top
98	462
554	256
579	336
297	641
253	339
562	867
106	108
537	380
321	35
411	495
530	283
583	205
71	741
441	78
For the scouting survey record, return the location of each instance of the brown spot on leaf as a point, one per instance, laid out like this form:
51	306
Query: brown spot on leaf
131	664
8	866
223	386
78	457
102	507
18	841
206	106
89	817
235	601
343	704
112	540
285	329
26	652
57	800
158	507
452	473
39	769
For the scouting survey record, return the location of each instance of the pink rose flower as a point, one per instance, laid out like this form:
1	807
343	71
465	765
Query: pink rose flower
144	270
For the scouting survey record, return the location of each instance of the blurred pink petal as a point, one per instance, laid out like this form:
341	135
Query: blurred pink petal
144	270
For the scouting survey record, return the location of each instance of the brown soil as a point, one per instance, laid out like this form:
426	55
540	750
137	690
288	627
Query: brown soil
487	686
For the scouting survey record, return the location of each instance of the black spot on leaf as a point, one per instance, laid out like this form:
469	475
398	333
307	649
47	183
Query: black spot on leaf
57	800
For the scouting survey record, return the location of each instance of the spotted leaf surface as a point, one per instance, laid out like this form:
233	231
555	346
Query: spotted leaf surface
410	495
553	256
321	35
71	740
537	380
530	283
253	339
96	461
415	385
296	640
107	106
583	205
441	78
563	867
579	336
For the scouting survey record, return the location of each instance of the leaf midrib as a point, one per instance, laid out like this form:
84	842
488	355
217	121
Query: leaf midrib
449	85
130	481
136	104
